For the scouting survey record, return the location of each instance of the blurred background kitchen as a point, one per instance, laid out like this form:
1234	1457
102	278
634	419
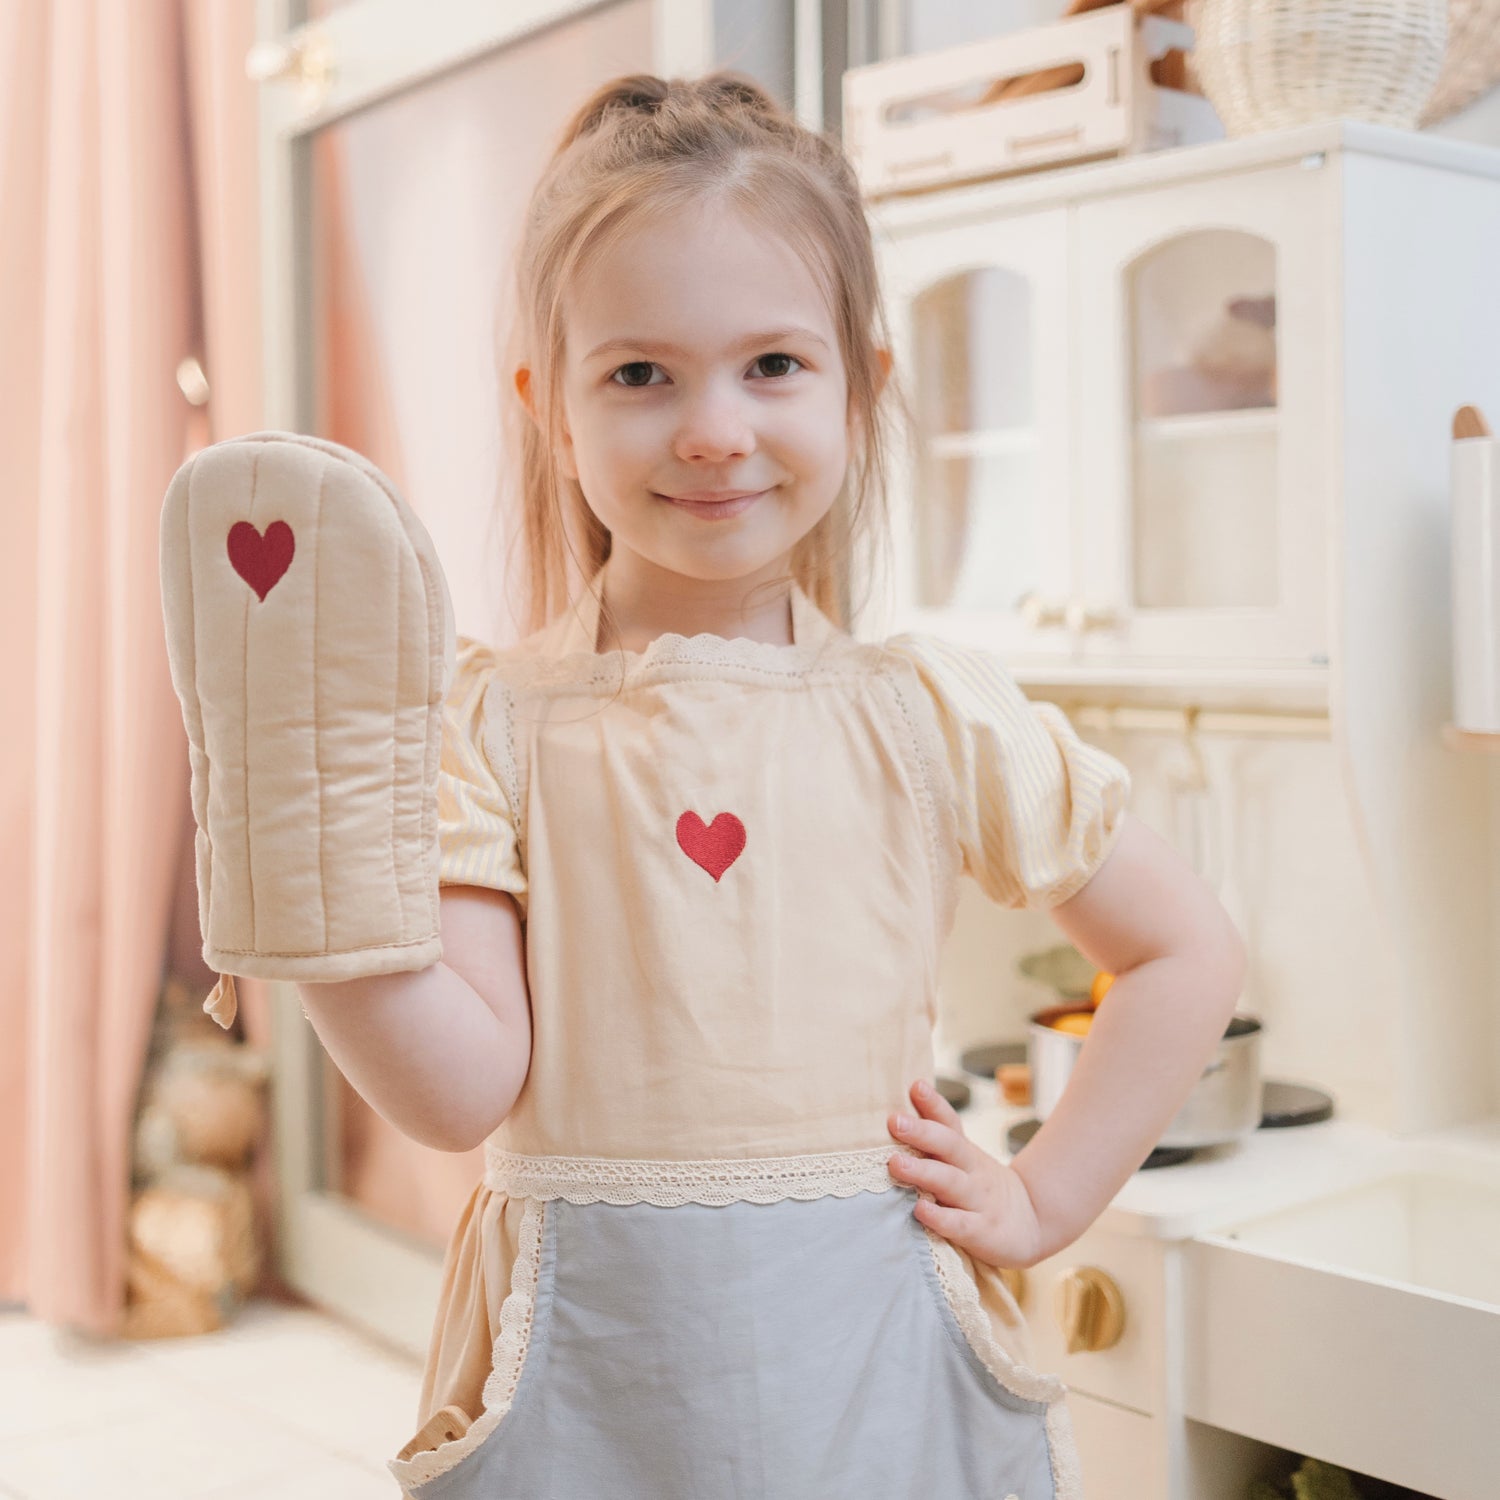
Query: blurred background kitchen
1195	314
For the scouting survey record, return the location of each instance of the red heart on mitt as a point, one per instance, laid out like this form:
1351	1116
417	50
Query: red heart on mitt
715	846
261	560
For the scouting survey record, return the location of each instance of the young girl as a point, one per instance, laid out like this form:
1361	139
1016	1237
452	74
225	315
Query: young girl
699	854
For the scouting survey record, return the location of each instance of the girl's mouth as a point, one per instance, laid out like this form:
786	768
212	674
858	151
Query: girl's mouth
714	510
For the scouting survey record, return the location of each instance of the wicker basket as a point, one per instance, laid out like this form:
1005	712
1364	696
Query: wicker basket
1267	64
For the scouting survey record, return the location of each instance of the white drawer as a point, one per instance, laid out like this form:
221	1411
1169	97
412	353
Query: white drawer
1363	1328
1130	1371
1119	1451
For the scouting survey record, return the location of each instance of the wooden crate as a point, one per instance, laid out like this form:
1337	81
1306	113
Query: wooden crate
918	123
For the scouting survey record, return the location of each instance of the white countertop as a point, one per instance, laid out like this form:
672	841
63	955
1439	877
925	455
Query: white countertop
1266	1171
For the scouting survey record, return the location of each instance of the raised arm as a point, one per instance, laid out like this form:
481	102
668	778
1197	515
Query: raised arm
1179	965
440	1052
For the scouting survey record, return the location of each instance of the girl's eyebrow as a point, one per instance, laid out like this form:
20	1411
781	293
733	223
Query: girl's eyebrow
771	336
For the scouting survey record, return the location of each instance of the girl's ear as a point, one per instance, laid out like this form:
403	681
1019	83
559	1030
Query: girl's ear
522	379
523	390
883	362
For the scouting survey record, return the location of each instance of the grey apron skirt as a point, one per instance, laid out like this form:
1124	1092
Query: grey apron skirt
794	1350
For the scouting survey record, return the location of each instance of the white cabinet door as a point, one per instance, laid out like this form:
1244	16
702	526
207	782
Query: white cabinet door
1130	1373
979	492
1204	335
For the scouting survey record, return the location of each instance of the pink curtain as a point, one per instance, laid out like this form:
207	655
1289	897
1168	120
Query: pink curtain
127	135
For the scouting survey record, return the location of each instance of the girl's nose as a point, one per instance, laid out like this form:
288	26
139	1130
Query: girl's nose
713	427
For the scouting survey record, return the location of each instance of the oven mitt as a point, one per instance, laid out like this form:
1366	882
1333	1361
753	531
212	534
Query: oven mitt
311	641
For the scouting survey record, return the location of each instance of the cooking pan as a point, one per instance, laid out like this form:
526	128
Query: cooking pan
1225	1102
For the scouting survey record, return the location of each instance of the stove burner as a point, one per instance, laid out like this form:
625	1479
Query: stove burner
954	1090
984	1059
1283	1105
1286	1104
1162	1156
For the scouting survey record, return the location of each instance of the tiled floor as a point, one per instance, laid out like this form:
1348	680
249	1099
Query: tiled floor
285	1404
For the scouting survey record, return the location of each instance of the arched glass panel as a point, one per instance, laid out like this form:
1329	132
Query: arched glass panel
977	496
1204	374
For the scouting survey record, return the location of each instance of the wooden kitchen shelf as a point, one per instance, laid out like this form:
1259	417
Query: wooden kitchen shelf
1178	721
1212	426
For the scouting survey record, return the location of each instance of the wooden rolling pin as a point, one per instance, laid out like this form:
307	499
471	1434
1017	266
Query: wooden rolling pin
1169	72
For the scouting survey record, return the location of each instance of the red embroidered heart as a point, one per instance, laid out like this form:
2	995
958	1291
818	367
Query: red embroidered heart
716	846
261	560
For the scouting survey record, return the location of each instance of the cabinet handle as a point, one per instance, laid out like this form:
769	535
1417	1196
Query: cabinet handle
1080	619
1038	614
305	59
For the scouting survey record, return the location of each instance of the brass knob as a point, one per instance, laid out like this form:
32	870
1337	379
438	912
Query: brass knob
1089	1308
1014	1278
1038	614
304	58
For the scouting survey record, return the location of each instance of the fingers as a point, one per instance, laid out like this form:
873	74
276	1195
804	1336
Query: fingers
950	1184
936	1131
934	1106
956	1224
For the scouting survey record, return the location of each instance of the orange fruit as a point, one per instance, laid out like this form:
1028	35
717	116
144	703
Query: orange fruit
1100	987
1076	1023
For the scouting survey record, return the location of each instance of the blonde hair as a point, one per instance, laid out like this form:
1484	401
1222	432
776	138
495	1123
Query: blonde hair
643	146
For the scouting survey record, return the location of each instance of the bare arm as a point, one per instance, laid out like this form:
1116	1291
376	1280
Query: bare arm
440	1052
1179	965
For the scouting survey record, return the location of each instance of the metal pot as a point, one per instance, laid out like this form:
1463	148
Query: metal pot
1225	1103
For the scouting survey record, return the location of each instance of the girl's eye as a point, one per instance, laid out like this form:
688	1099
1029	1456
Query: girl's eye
635	367
778	359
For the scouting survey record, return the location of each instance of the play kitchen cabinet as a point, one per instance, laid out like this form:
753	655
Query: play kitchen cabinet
1182	434
1134	387
1328	1291
1379	1310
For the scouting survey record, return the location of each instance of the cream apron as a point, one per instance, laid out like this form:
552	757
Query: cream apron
687	1273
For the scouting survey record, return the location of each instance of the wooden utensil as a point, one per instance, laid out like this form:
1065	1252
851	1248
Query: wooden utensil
1468	422
441	1427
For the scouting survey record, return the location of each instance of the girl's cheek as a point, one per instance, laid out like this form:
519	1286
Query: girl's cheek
638	433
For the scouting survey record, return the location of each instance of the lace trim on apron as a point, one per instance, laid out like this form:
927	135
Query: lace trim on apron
500	750
509	1354
712	1181
676	658
1030	1385
1067	1468
934	781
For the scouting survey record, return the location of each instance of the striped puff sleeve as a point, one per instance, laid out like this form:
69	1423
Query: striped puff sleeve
1038	809
477	837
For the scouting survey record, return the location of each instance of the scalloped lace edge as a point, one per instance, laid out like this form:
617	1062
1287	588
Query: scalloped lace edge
935	780
712	1181
604	671
507	1359
1062	1447
500	748
1030	1385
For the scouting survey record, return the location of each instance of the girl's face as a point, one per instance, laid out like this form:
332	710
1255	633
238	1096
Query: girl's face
701	363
